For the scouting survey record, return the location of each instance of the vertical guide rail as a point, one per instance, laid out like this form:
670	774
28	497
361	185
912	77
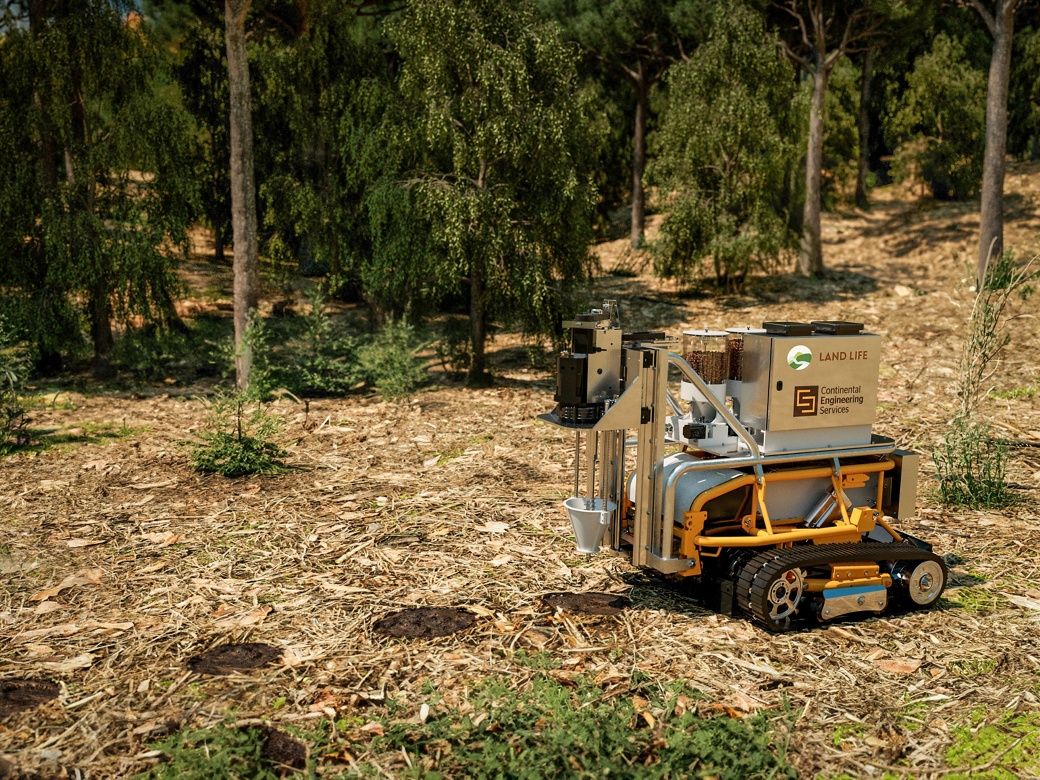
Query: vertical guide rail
577	463
592	456
619	485
650	438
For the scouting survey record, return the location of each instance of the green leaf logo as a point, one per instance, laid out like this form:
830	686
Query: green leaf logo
799	357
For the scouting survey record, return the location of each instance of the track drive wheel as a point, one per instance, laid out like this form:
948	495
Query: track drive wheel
921	582
771	591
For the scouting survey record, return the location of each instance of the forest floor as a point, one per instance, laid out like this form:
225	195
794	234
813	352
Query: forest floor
118	563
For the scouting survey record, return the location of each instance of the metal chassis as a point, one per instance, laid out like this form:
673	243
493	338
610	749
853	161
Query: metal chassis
644	406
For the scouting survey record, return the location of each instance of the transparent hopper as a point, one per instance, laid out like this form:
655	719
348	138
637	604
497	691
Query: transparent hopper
590	519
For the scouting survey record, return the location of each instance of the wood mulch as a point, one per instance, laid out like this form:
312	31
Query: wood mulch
118	564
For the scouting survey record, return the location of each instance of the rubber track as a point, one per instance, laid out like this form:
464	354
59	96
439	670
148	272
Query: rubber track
759	572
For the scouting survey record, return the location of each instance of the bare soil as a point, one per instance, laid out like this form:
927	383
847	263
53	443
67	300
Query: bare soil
118	563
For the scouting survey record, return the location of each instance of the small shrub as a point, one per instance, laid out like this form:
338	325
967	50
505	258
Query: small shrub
14	367
323	361
971	468
454	349
219	753
157	352
238	442
988	333
388	362
939	125
263	377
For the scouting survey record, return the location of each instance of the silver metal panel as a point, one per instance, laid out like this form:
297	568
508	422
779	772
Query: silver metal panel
796	498
624	413
754	390
604	376
907	464
815	439
823	381
862	598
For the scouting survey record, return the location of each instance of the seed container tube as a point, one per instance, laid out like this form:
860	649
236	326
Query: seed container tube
705	351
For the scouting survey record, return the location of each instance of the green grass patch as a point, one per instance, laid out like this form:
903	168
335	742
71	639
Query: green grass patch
539	729
1006	748
979	601
1028	391
71	436
970	466
38	400
219	753
844	731
552	729
974	667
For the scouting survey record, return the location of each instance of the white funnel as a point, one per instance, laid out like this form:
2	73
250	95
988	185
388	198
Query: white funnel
589	519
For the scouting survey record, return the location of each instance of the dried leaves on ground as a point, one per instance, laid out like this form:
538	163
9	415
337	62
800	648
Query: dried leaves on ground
118	564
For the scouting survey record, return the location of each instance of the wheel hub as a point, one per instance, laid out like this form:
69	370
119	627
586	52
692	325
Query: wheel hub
784	594
925	583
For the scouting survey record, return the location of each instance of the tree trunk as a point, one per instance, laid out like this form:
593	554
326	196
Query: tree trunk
243	187
478	374
218	245
864	129
101	330
639	157
49	359
991	218
810	260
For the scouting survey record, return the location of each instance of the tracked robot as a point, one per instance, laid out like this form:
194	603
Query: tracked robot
763	482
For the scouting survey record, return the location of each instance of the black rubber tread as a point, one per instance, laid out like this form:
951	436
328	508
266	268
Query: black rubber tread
762	570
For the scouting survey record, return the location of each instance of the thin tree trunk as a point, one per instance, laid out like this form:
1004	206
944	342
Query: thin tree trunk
49	359
810	260
478	373
218	244
864	129
639	158
243	187
101	329
991	218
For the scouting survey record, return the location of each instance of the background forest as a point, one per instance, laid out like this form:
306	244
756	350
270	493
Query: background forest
448	164
355	212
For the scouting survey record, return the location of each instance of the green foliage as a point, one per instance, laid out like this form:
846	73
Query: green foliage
970	463
543	729
988	333
95	175
219	753
187	352
618	38
388	363
970	466
320	153
1024	97
238	439
727	153
264	376
202	75
552	730
939	123
453	348
14	367
841	134
322	361
1002	749
500	173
